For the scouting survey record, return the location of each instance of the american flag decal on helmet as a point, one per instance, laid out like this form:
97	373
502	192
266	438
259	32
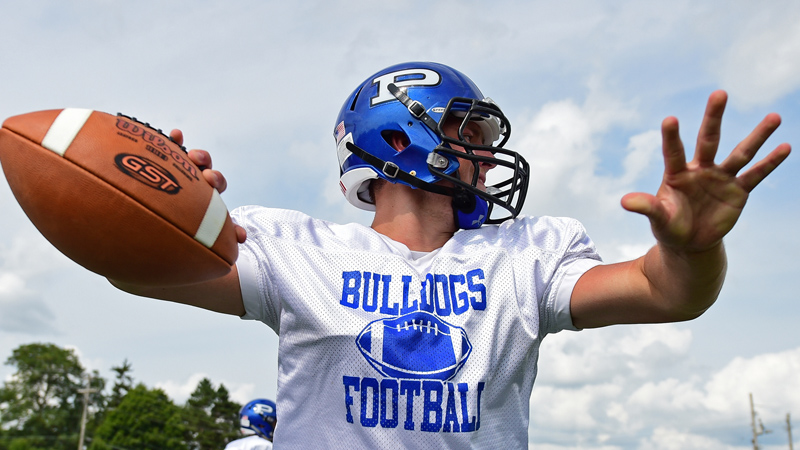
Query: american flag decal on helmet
339	132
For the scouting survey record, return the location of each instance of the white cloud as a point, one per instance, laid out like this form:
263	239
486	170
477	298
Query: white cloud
665	438
26	258
241	392
89	363
581	446
572	408
27	254
626	252
667	396
594	355
772	378
22	310
762	64
11	284
642	151
627	383
561	142
179	391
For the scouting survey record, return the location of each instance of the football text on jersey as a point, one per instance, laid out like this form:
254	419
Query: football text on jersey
415	350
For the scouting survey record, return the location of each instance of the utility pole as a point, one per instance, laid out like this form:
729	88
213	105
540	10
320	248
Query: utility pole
760	430
752	423
85	391
789	429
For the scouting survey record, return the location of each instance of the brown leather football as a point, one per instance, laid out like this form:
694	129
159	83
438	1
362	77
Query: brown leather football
117	196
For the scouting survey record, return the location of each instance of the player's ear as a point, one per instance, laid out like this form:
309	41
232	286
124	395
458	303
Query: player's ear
397	139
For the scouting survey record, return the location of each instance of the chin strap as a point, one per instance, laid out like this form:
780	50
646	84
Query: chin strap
391	171
469	210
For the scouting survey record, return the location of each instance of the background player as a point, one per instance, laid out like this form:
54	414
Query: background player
422	146
258	419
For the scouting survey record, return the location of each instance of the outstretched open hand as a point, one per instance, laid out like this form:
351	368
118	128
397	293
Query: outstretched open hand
699	201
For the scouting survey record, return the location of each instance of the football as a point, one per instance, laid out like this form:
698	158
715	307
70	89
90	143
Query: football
415	346
117	196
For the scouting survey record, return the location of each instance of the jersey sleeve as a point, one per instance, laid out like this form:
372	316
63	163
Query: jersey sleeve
260	302
578	255
550	255
559	314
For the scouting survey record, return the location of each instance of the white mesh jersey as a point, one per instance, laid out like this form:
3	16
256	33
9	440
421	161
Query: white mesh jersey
249	443
381	347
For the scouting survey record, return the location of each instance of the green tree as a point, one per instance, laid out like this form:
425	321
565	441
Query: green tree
211	417
122	384
40	406
144	419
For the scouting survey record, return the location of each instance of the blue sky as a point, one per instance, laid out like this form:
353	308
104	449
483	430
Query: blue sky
585	84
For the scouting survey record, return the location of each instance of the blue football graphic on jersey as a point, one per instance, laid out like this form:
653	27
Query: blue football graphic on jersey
415	346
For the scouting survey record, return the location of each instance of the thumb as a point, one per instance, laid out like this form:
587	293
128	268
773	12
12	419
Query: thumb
646	205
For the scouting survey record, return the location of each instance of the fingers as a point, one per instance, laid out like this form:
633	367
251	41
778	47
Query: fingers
203	160
707	138
672	147
709	135
177	136
216	179
754	175
746	150
241	234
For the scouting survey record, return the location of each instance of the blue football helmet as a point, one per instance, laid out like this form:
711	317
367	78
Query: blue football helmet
416	99
258	417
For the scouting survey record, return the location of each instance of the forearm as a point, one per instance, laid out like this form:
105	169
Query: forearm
220	295
661	286
685	284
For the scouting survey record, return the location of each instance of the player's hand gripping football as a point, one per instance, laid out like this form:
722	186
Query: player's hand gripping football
214	177
699	201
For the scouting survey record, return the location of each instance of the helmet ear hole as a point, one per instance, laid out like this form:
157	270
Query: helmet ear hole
396	139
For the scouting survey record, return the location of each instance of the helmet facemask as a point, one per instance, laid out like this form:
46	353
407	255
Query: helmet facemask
507	181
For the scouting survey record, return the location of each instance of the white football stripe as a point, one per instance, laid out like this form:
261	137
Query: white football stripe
64	129
213	221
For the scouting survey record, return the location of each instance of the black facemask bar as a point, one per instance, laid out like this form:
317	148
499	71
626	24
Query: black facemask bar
509	193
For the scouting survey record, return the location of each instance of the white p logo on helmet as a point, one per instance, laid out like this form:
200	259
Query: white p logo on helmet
261	408
401	79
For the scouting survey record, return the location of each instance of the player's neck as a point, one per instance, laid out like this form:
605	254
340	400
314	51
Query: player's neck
421	220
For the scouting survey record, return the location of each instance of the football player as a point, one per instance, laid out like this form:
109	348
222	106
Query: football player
423	329
257	420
